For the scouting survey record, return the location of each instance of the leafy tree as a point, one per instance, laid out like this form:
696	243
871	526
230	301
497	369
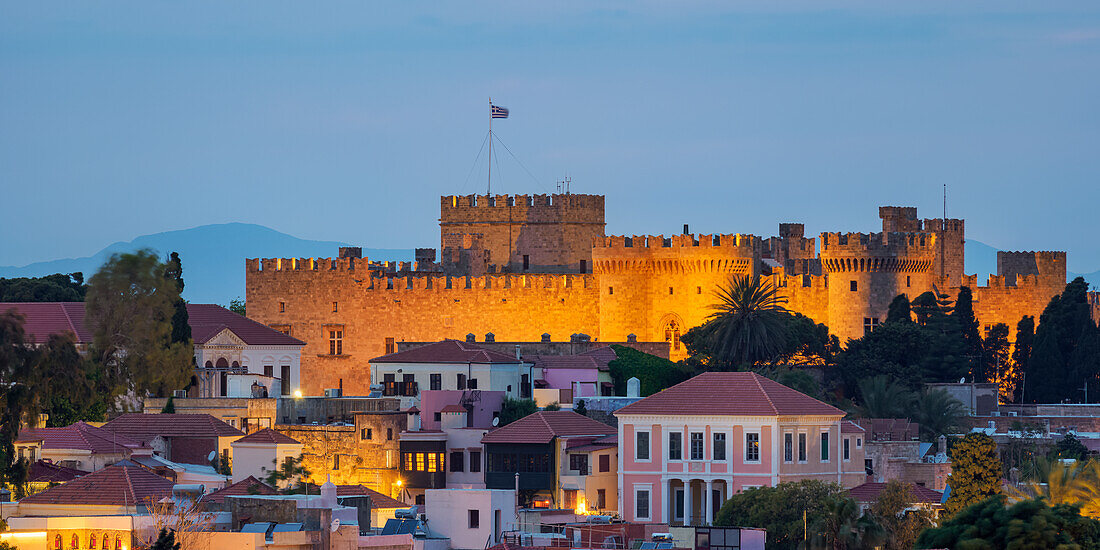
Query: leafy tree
938	414
514	409
796	379
555	406
779	509
946	355
580	408
1070	447
236	305
975	472
18	365
924	307
166	540
968	326
290	477
169	407
901	521
842	527
747	326
899	310
130	309
882	397
893	349
1026	525
1021	353
51	288
654	373
181	329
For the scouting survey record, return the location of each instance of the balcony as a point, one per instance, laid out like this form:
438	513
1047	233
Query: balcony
399	389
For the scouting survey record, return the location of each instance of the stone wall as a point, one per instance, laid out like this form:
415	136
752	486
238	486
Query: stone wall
350	454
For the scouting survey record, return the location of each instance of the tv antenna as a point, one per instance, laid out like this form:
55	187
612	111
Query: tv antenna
563	185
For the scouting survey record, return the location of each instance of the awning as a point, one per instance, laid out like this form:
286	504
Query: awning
540	383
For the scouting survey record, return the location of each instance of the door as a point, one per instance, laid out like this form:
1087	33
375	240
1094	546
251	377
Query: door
678	513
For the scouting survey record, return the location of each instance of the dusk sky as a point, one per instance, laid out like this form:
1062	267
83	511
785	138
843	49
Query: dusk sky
338	121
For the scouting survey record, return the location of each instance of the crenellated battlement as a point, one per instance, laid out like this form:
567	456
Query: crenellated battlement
733	240
684	253
938	224
255	265
892	244
458	204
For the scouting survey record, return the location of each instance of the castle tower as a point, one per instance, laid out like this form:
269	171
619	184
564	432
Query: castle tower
658	287
526	233
1048	268
866	271
950	250
899	219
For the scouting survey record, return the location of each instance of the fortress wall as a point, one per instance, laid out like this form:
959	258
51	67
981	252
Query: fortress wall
950	256
805	294
999	303
370	310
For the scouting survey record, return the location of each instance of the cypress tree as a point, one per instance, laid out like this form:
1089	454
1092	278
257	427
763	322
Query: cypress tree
899	310
1021	354
181	328
968	326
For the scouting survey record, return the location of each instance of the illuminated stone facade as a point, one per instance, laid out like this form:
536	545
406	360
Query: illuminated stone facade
349	310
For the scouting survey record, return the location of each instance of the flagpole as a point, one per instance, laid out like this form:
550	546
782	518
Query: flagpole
489	189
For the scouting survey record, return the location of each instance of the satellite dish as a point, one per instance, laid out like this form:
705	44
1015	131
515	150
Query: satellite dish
496	421
335	525
210	457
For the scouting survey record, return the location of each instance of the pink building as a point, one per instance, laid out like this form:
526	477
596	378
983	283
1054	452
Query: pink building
586	374
684	450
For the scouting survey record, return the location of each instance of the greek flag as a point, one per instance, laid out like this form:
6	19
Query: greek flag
499	112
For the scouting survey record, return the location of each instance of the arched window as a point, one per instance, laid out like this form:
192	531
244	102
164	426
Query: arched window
209	365
92	541
57	542
236	365
672	334
76	541
106	541
118	542
222	363
224	384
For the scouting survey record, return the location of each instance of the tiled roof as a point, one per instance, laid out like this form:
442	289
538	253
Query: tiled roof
889	429
118	485
566	362
730	393
207	320
868	492
45	318
48	472
453	409
247	486
543	426
447	351
849	427
145	427
377	500
267	435
80	435
41	319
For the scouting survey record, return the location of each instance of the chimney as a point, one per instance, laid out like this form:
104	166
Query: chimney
517	353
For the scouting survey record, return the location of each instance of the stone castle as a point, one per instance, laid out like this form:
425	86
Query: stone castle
529	268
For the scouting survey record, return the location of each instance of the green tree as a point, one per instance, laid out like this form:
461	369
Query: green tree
581	409
895	350
514	409
290	477
938	413
779	510
899	518
51	288
882	397
1069	447
796	379
975	472
1021	354
1026	525
899	310
236	305
130	308
997	363
747	326
166	540
169	407
1066	348
181	329
945	357
843	527
654	373
18	366
555	406
968	326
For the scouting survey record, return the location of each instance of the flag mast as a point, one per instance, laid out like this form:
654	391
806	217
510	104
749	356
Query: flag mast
489	189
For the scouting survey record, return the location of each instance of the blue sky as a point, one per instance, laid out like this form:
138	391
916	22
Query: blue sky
346	121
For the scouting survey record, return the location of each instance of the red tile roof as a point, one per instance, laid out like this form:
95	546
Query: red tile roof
730	393
889	429
544	426
377	500
80	435
48	472
447	351
267	435
247	486
145	427
868	492
849	427
45	318
566	362
118	485
453	409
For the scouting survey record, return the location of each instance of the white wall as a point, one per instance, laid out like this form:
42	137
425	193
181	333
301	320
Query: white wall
494	377
448	513
250	459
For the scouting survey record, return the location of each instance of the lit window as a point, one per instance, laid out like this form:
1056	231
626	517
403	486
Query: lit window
752	447
432	462
335	307
335	342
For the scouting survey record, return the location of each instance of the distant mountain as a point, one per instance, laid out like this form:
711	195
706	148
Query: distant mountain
213	256
1093	279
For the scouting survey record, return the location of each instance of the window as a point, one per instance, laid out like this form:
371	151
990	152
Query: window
438	416
853	286
698	290
641	446
719	450
605	463
859	442
824	446
335	462
579	463
670	291
284	380
282	307
92	541
474	515
269	370
436	381
696	446
335	307
389	434
601	499
335	342
610	290
472	383
390	347
420	462
460	382
75	541
847	449
526	262
752	447
475	461
584	266
366	433
433	462
106	541
672	334
802	447
788	447
675	446
868	466
869	324
908	281
641	504
389	459
570	499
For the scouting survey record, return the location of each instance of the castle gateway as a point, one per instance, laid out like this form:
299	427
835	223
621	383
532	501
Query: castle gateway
516	268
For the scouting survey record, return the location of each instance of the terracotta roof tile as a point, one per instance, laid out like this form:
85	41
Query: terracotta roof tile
145	427
377	500
41	319
48	472
868	492
544	426
453	409
247	486
83	436
267	435
849	427
118	485
730	393
447	351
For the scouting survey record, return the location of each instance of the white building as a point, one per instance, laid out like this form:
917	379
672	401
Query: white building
238	357
261	452
472	518
452	365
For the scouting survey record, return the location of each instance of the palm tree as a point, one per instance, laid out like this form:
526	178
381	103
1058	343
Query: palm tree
747	325
882	397
1063	482
938	413
842	527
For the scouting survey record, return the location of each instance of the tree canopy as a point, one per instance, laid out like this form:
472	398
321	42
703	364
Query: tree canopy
1066	350
654	373
779	509
1025	525
514	409
58	287
975	472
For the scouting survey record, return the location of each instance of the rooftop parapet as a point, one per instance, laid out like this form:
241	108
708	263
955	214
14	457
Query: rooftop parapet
890	244
747	242
453	202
